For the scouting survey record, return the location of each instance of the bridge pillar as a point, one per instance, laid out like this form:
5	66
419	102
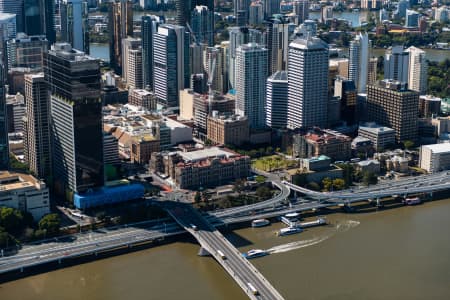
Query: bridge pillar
59	261
203	252
21	270
431	195
378	202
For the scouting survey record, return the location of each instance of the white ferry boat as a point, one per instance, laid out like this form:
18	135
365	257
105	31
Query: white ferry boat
260	222
255	253
289	230
318	222
412	201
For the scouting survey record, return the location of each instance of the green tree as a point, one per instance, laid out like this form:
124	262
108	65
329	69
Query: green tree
260	179
11	219
5	238
51	223
369	178
314	186
111	172
408	144
327	184
338	184
197	197
263	192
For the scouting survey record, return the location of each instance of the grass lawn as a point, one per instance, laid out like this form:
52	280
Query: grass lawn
272	163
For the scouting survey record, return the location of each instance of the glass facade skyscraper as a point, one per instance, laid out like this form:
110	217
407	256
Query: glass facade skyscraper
76	119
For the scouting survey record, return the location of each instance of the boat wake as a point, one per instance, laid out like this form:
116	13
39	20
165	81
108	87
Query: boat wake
341	226
296	245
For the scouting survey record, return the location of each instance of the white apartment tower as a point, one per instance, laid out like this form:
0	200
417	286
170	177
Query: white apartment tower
251	68
307	83
417	77
396	62
358	67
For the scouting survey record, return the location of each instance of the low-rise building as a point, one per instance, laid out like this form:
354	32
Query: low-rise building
196	169
370	166
318	142
142	98
315	169
24	192
228	130
429	106
435	158
380	136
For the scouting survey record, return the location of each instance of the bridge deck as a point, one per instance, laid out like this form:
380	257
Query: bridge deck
240	269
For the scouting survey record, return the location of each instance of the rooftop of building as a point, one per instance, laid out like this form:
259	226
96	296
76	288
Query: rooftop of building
281	76
375	128
203	154
325	135
311	43
141	92
430	98
6	17
10	181
66	51
439	148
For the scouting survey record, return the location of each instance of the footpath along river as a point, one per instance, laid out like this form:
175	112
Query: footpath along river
402	253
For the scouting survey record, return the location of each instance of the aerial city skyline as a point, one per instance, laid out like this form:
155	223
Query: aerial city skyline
114	112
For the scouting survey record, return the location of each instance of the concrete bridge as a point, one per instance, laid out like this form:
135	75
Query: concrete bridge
251	281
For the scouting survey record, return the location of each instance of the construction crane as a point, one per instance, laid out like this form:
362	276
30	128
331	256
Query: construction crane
211	70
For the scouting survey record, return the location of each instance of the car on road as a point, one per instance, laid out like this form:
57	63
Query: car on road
194	227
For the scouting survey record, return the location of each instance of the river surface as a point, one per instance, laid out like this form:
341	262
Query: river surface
102	51
401	253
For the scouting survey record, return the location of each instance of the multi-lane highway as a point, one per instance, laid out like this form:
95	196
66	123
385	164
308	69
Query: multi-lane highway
106	239
252	282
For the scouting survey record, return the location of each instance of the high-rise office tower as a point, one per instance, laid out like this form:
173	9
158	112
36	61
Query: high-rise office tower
169	48
308	83
185	7
132	62
418	66
120	26
73	80
149	27
412	18
241	7
301	10
7	31
256	13
277	100
215	55
346	90
26	51
359	61
48	20
4	147
396	63
32	17
251	74
202	24
372	70
240	36
271	7
37	126
74	24
277	43
391	104
14	7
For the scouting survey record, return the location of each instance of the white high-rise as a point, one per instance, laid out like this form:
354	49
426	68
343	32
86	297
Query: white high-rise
240	36
307	83
132	62
396	62
417	77
359	61
251	68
